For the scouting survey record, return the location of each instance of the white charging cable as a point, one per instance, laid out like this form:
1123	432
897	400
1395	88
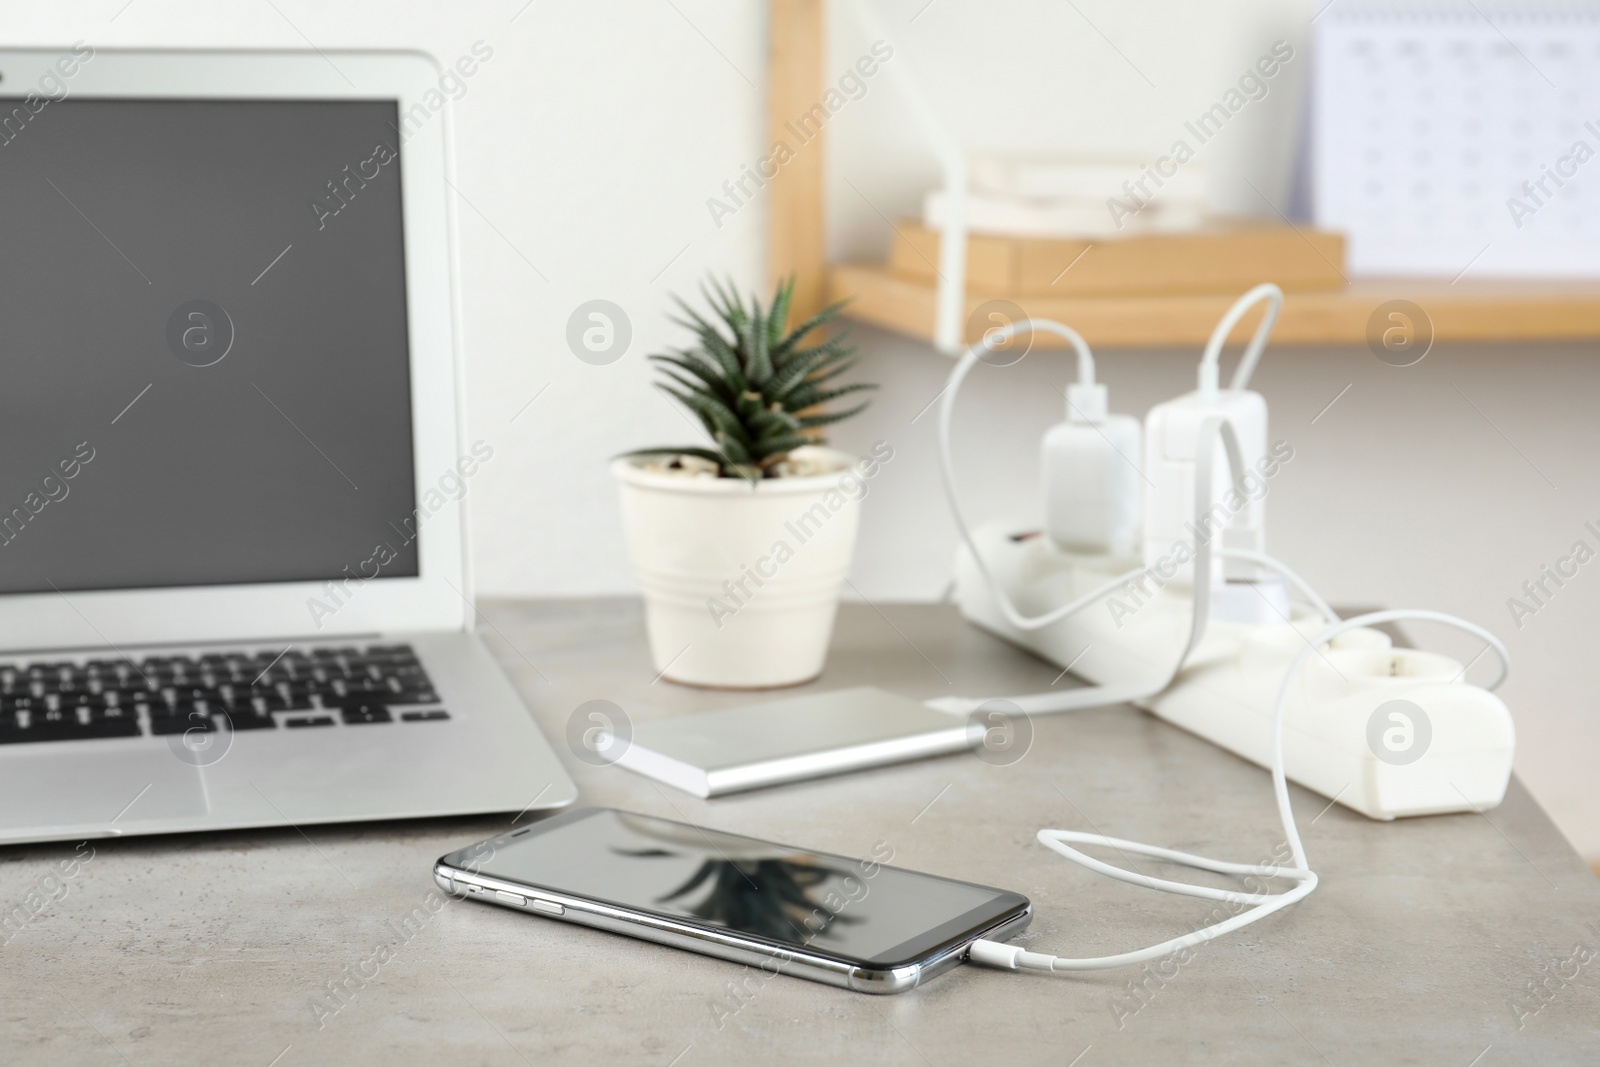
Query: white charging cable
1259	905
947	406
1212	357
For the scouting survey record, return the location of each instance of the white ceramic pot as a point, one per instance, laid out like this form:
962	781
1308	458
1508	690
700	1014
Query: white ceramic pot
741	582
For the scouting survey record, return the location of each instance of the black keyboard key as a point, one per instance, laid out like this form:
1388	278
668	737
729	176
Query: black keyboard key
55	718
189	693
249	718
430	715
357	688
360	712
180	718
316	720
181	726
110	728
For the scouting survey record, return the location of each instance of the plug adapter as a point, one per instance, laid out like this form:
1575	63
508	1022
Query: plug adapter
1171	533
1090	466
1237	519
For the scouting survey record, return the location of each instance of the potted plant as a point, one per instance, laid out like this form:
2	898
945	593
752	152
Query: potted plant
741	544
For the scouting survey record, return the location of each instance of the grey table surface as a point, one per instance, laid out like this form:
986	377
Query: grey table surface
1455	940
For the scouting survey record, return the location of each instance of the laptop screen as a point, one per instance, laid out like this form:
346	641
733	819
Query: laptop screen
203	318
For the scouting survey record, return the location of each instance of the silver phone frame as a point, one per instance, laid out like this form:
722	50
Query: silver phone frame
722	944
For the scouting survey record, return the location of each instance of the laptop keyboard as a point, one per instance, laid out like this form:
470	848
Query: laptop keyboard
65	701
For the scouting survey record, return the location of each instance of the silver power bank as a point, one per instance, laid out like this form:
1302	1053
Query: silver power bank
754	745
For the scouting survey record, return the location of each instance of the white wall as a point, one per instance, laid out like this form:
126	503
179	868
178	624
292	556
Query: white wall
587	150
592	140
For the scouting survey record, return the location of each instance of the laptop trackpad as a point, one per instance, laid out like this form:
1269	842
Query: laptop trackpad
51	785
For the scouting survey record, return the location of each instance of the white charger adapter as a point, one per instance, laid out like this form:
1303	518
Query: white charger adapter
1171	533
1090	466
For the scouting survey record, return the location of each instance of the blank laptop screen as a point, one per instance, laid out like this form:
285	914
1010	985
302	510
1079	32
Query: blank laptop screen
203	319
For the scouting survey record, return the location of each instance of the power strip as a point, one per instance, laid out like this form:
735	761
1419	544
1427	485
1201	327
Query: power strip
1389	732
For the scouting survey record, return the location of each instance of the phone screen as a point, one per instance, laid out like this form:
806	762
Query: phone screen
856	909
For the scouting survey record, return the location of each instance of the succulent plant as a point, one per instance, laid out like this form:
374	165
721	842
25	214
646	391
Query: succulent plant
754	384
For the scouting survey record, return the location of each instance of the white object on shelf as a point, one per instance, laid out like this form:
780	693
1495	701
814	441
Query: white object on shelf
1052	178
1446	140
1019	196
949	325
1014	216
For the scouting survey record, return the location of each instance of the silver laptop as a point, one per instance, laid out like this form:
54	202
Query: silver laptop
233	476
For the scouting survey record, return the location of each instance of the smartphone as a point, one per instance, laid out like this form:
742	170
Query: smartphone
855	923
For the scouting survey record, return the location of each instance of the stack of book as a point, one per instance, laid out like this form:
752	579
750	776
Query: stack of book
1111	227
1223	256
1023	197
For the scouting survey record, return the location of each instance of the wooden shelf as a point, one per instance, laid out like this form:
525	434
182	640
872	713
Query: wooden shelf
1468	310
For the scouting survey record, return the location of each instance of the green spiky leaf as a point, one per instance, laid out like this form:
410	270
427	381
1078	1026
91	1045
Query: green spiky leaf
821	318
748	379
809	396
707	375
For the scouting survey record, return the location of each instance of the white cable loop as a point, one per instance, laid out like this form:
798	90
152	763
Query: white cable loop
958	375
1212	356
1258	905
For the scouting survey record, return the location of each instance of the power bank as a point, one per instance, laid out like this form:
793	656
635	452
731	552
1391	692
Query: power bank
754	745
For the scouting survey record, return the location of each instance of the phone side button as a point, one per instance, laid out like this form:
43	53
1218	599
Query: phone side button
549	907
513	899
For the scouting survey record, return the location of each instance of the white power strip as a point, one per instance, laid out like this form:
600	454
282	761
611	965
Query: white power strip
1385	731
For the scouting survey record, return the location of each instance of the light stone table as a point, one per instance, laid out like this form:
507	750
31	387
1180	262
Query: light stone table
1453	941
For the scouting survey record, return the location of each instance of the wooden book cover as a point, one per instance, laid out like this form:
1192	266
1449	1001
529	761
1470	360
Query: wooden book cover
1229	256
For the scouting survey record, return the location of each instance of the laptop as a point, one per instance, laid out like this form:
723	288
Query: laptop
233	473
